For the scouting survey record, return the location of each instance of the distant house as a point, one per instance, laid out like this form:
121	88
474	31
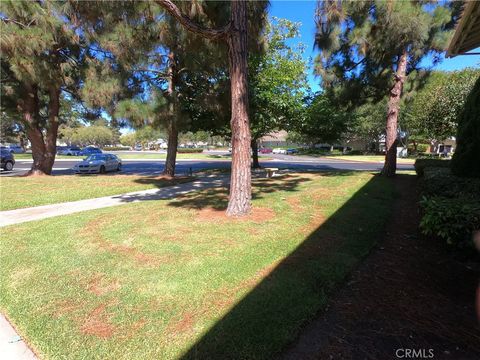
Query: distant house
445	147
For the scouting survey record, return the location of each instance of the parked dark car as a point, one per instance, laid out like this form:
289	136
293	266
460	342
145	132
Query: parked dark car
265	151
7	160
90	150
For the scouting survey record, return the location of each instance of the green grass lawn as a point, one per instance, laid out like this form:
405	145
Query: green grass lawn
138	155
177	279
368	158
21	192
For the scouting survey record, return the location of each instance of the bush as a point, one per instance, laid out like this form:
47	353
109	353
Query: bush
421	164
466	160
441	182
423	148
189	150
355	152
450	204
451	219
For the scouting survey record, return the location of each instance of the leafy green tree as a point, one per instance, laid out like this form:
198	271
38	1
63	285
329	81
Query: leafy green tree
434	110
147	134
369	48
128	139
67	133
41	58
368	122
323	122
277	82
97	135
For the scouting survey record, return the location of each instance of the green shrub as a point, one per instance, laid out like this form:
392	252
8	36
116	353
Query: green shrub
441	182
189	150
355	152
466	160
451	219
421	164
423	148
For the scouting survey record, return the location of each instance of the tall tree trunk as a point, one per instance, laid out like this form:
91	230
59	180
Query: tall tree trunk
171	149
240	182
254	146
52	129
172	130
390	166
235	34
43	147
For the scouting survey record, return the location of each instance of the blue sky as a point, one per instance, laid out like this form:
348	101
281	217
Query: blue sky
303	11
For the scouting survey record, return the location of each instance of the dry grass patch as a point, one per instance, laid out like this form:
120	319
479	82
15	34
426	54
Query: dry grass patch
156	279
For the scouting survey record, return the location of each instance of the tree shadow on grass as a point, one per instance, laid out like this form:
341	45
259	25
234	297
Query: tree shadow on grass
272	313
217	198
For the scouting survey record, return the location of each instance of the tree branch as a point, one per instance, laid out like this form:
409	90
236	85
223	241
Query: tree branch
189	24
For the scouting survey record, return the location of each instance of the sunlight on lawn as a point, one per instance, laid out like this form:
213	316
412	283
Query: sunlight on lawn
151	280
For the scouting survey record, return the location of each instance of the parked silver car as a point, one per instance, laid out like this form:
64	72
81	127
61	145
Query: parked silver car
98	163
69	150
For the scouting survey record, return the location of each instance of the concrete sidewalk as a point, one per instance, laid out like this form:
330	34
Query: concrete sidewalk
18	216
12	347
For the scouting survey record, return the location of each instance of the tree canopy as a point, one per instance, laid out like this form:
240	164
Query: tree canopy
368	49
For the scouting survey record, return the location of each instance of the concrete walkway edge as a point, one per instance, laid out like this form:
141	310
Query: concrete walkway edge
12	347
18	216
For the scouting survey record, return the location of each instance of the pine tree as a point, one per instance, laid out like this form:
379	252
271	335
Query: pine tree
368	48
41	60
234	35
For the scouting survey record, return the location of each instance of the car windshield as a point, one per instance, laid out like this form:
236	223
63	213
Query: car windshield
96	157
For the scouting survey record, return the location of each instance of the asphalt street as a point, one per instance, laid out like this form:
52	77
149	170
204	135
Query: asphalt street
154	167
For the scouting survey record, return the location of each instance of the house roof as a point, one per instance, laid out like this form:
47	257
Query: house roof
467	32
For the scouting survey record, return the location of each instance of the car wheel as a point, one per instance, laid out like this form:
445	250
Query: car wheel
8	166
119	167
102	169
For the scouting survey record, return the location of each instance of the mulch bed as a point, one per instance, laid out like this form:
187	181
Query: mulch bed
411	294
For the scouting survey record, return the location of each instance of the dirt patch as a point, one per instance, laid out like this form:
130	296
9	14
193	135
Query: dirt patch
326	193
258	215
100	286
92	230
64	307
316	220
97	323
184	325
410	293
295	203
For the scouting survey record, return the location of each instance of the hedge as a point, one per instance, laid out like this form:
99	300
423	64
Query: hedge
189	150
450	204
466	159
421	164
